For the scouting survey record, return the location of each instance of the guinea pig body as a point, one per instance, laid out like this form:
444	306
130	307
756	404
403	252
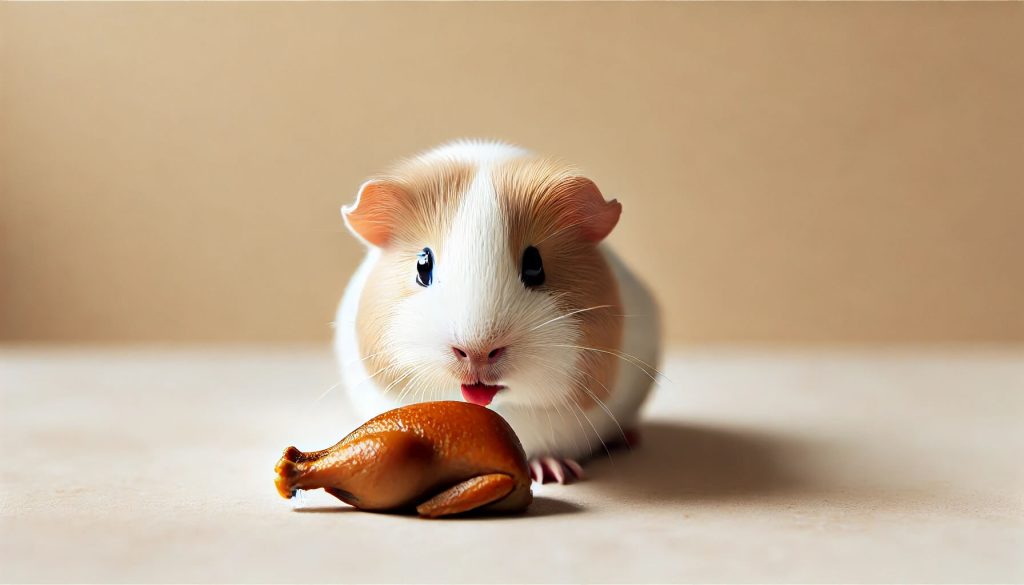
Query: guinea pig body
485	280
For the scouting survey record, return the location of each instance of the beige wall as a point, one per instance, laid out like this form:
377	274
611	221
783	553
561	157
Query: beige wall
789	173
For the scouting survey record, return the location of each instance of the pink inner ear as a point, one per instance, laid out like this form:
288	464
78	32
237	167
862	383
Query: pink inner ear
603	220
595	216
372	217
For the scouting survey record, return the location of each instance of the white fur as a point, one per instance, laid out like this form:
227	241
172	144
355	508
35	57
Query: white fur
477	152
476	293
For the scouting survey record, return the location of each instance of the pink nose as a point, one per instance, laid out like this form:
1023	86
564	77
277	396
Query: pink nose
478	357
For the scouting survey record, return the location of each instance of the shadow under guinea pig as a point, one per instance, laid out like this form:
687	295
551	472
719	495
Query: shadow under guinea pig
688	462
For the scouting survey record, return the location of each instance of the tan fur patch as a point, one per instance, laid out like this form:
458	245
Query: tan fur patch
433	193
536	197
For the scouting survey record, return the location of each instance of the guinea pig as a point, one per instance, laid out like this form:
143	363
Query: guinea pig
486	280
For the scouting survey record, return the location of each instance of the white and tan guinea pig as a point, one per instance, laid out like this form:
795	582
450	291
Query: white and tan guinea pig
485	280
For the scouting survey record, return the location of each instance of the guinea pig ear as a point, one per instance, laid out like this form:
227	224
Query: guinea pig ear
587	208
372	217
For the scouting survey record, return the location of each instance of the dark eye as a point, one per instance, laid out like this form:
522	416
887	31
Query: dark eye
425	267
533	269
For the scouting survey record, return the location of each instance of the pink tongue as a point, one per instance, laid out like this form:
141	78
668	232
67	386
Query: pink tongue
481	394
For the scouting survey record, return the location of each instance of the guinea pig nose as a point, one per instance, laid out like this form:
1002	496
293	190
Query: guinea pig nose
460	353
495	354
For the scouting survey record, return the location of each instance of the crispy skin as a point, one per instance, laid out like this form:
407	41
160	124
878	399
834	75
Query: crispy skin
445	457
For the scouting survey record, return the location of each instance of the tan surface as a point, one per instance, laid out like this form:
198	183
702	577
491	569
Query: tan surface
789	172
882	466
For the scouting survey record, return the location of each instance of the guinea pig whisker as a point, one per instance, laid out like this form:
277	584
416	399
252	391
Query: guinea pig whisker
434	386
416	385
540	308
411	383
575	442
596	434
326	392
533	414
435	389
347	365
583	387
550	440
547	365
360	383
551	426
400	378
638	363
423	372
612	353
408	385
604	407
570	314
351	363
568	402
386	368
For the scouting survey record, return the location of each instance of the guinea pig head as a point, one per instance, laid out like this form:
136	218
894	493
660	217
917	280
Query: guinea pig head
488	283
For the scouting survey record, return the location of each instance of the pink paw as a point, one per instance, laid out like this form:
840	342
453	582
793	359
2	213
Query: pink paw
545	469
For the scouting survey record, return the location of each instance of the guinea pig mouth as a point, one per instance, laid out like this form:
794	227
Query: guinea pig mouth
480	393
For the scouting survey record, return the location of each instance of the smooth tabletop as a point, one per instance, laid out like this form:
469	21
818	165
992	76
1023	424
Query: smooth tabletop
841	465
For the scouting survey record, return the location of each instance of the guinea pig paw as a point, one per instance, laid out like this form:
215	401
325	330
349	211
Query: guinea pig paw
548	469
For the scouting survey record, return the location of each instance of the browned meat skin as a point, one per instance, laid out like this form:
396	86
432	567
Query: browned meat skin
442	458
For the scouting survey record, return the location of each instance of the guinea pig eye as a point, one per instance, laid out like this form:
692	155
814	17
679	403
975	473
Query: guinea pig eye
425	267
533	269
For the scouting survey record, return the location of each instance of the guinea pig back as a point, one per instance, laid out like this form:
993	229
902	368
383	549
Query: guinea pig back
440	458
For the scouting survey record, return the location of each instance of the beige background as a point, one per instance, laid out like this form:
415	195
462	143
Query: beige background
841	173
